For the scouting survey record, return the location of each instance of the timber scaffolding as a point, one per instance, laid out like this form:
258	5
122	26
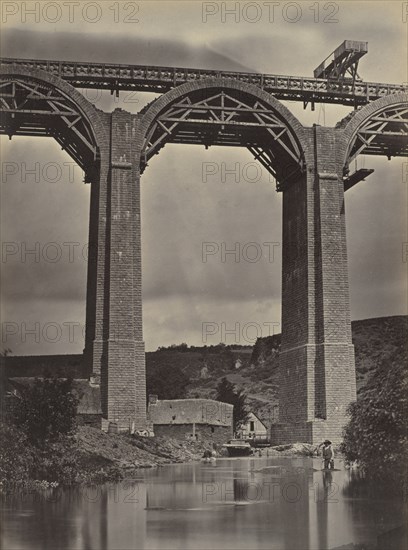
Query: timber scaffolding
146	78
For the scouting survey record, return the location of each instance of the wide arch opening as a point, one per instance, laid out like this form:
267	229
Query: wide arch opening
41	105
43	108
218	113
383	132
211	226
375	239
249	125
45	221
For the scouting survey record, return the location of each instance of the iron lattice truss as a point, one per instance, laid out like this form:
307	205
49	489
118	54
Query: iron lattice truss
385	133
31	108
118	77
224	118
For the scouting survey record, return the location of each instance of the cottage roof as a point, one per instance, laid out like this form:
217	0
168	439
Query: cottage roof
191	411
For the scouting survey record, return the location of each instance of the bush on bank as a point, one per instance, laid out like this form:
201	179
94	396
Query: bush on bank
46	410
17	456
377	433
38	440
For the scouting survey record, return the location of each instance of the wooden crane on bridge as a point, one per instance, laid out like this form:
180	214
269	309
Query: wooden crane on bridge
342	62
340	67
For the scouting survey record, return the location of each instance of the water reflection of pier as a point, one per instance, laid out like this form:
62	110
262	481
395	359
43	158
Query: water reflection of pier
116	519
241	505
279	504
236	504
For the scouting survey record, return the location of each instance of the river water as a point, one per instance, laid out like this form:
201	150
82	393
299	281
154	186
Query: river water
248	503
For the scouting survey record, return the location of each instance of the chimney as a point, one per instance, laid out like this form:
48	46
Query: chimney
153	399
94	380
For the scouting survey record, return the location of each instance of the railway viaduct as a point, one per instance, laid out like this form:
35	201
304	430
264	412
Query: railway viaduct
210	108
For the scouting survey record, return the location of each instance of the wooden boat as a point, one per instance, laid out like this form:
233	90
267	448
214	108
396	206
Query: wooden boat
238	447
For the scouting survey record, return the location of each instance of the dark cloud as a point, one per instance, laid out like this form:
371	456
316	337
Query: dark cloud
71	46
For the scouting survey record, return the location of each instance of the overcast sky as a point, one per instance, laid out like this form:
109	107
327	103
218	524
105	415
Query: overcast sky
180	212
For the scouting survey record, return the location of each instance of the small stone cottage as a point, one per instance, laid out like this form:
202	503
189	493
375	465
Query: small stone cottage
196	419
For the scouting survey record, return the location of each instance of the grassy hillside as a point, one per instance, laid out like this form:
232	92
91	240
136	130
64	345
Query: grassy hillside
375	340
255	369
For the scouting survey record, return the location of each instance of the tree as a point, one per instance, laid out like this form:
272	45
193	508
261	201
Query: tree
166	382
377	435
228	393
46	410
174	347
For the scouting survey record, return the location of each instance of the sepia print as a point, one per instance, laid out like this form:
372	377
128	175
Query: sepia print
204	275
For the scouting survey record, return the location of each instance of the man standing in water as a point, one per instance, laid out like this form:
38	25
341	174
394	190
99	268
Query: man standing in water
327	455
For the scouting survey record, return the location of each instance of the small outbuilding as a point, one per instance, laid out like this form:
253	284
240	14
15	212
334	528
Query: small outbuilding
192	419
253	428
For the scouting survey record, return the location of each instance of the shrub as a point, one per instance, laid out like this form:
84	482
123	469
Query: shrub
57	461
47	410
38	448
376	435
17	456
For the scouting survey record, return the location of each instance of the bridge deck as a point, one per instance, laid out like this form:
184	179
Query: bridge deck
142	78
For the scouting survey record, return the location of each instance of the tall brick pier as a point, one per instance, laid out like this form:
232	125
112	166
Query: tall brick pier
310	165
317	373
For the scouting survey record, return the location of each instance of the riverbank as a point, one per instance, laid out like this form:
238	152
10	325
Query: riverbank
122	453
128	452
90	455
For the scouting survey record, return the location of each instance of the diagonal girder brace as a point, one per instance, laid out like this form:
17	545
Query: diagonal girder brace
31	108
385	133
221	119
